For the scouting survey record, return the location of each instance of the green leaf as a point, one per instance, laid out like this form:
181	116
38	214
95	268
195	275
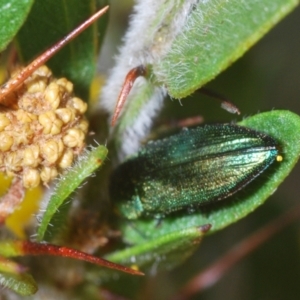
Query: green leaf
51	20
165	252
146	234
216	34
23	284
12	15
67	184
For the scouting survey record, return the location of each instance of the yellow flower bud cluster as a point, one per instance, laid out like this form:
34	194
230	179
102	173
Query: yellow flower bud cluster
45	133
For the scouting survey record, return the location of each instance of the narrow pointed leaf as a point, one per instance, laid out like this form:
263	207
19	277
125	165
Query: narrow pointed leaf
22	284
165	253
22	248
68	183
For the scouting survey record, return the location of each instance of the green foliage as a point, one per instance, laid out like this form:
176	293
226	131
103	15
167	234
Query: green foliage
218	32
236	25
12	15
23	284
68	183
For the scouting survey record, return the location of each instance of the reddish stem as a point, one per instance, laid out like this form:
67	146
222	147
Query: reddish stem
131	77
16	81
30	248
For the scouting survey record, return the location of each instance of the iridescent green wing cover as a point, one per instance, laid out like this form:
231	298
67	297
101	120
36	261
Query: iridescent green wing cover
192	168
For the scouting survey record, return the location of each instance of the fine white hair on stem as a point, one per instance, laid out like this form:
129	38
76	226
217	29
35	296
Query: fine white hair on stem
153	27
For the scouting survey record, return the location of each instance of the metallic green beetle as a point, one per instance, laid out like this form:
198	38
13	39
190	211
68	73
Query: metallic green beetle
193	168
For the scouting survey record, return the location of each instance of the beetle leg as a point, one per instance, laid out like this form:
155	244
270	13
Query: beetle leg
131	77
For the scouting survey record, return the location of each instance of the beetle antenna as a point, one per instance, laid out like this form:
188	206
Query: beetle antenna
225	103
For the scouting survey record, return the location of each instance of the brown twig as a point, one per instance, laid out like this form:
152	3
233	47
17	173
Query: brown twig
16	81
